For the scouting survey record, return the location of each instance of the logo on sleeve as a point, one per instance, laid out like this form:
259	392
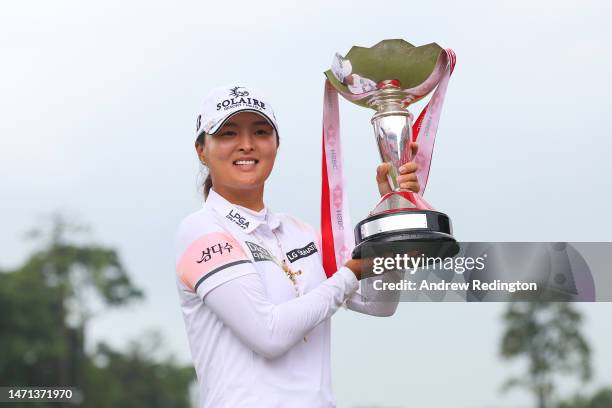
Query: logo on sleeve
207	256
259	253
298	253
220	248
237	219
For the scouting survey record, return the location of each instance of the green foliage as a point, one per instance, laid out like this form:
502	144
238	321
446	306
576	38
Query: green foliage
548	336
45	306
135	379
601	399
32	338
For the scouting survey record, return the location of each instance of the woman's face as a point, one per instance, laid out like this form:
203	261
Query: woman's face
241	154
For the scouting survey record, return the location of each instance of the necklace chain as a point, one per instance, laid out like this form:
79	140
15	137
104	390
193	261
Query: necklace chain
283	264
290	274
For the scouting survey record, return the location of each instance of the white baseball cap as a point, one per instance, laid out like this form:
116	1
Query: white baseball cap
225	101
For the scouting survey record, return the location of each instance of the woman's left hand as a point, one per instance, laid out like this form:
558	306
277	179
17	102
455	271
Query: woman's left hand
407	178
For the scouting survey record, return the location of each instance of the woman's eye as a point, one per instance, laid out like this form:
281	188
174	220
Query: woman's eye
228	133
262	132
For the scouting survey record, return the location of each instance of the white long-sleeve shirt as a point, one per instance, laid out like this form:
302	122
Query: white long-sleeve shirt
254	341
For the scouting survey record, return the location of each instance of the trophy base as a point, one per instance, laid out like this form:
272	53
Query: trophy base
416	227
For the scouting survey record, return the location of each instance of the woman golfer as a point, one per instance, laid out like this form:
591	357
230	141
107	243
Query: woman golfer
254	296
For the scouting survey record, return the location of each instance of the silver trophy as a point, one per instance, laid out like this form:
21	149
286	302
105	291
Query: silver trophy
388	78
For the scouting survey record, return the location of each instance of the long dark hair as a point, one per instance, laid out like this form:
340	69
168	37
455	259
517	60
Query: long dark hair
207	185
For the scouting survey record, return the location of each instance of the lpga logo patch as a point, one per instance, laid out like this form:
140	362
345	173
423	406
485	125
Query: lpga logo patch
237	219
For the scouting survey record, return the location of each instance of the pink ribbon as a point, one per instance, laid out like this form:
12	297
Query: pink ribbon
336	229
426	126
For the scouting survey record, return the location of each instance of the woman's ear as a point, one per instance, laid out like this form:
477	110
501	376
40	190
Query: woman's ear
200	152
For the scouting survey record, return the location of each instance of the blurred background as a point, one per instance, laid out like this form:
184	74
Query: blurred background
97	167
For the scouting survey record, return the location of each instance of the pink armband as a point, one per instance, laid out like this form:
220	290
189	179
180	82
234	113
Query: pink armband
208	255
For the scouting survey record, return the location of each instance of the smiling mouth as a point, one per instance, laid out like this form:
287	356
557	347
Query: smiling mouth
245	162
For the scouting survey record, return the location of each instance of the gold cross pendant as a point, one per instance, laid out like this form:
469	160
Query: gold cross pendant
290	273
292	278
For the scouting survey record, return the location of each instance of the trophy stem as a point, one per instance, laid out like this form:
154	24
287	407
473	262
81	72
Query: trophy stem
392	128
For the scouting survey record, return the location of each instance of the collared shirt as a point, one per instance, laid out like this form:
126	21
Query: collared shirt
257	338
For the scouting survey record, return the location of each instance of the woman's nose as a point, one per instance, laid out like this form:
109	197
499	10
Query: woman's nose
246	141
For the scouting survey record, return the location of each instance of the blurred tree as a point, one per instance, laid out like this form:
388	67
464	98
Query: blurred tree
45	307
49	300
136	379
601	399
547	335
31	338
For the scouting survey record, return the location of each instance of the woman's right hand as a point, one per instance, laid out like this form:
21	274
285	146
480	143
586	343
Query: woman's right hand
406	178
358	265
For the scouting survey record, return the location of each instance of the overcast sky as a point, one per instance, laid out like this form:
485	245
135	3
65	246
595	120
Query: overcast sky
97	113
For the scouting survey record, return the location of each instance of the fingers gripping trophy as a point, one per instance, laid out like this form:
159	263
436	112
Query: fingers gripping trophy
388	78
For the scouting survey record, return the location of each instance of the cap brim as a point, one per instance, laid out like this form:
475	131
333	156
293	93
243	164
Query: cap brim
220	124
